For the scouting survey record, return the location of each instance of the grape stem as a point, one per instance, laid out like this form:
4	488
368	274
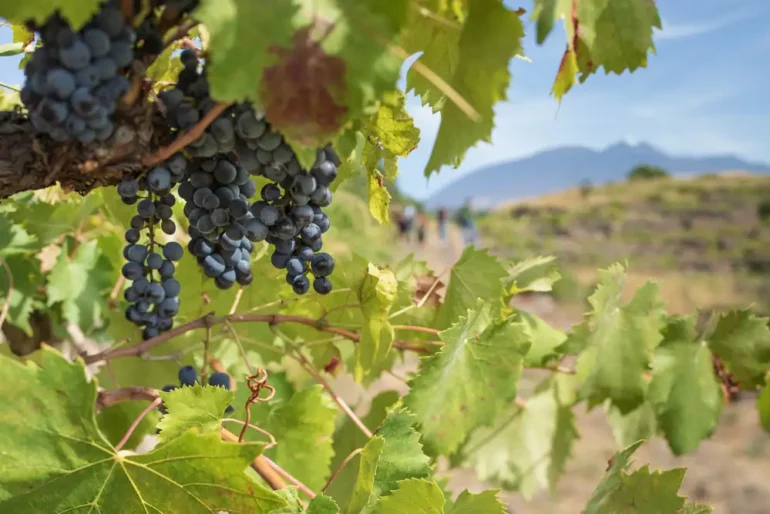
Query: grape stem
262	431
306	364
135	423
340	468
211	319
164	152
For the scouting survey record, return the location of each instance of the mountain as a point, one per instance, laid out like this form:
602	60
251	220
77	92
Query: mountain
566	167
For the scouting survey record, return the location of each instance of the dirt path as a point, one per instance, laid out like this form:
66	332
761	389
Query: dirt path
729	471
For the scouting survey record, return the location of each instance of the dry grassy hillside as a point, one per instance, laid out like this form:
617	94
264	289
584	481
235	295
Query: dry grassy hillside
706	238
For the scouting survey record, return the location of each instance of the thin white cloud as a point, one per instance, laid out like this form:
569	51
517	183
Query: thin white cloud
673	31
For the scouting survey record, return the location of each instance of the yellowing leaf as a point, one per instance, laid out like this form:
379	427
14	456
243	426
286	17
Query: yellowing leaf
379	197
376	296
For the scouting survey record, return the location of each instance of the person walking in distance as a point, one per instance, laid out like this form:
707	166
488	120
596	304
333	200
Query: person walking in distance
442	219
408	221
465	220
422	222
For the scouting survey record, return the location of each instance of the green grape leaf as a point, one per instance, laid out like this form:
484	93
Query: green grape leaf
485	502
303	428
242	34
53	457
27	277
77	13
322	504
199	407
293	502
376	297
115	420
47	222
415	496
491	36
396	455
529	446
684	390
618	34
476	274
763	407
364	31
468	382
640	423
364	486
15	240
545	14
79	281
612	477
427	31
618	341
642	491
742	341
545	340
348	438
537	274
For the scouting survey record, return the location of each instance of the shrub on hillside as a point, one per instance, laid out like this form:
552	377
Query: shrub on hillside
647	172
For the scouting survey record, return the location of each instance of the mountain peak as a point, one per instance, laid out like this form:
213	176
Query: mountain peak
561	168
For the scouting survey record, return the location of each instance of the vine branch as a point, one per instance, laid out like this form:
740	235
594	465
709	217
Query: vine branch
211	319
164	152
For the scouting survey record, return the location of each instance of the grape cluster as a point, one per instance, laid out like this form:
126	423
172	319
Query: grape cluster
292	202
153	296
216	188
188	377
73	81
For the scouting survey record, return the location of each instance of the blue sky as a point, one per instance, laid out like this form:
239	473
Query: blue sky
706	91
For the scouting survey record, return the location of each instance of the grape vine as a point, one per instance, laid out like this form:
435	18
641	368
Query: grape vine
227	129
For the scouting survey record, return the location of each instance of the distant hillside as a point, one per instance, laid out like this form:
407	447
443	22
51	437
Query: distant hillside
562	168
707	234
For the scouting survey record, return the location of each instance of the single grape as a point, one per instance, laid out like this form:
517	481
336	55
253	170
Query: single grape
61	82
154	261
75	56
322	264
146	208
188	376
159	179
322	285
172	287
300	284
135	253
173	251
295	266
220	379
